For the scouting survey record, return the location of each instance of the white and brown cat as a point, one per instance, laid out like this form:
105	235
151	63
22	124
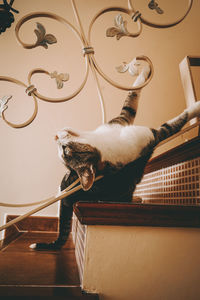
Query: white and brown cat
118	150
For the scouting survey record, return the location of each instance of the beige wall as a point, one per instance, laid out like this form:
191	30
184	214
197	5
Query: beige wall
30	169
126	263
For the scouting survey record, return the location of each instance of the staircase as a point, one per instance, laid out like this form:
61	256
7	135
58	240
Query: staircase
29	274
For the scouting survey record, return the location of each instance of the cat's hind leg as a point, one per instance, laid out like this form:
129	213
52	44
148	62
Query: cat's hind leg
64	230
175	125
65	217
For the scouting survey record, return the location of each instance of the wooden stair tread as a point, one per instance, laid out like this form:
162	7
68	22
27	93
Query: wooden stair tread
29	274
21	265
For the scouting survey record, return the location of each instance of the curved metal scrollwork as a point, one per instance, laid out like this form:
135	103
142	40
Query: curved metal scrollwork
4	101
43	39
118	30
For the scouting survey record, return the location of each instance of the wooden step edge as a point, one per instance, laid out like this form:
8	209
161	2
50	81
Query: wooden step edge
130	214
82	297
40	290
37	291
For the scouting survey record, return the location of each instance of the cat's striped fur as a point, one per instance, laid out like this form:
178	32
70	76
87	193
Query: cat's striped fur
128	112
88	154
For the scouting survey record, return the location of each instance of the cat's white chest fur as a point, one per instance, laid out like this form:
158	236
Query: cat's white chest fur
119	144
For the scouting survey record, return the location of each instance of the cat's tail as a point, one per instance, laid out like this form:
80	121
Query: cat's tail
175	125
129	109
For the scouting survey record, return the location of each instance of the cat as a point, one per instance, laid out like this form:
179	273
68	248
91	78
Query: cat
117	150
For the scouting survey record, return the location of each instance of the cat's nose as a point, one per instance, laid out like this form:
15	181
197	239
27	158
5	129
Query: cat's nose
56	138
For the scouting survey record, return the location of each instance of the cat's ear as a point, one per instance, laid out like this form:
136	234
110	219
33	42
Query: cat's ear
86	175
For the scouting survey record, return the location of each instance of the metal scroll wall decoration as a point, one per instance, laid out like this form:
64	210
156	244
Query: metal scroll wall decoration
119	30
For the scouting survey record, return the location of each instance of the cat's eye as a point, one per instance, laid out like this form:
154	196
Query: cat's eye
66	150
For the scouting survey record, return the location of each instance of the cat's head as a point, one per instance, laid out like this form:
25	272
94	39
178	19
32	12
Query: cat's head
78	155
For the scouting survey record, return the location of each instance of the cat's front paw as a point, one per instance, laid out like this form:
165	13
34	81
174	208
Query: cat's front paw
46	246
194	110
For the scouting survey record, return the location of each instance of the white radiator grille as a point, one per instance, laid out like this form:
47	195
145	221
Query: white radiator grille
78	235
177	184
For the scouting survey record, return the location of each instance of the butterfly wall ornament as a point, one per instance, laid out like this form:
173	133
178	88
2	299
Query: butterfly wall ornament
154	6
131	67
43	39
59	78
120	28
3	101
